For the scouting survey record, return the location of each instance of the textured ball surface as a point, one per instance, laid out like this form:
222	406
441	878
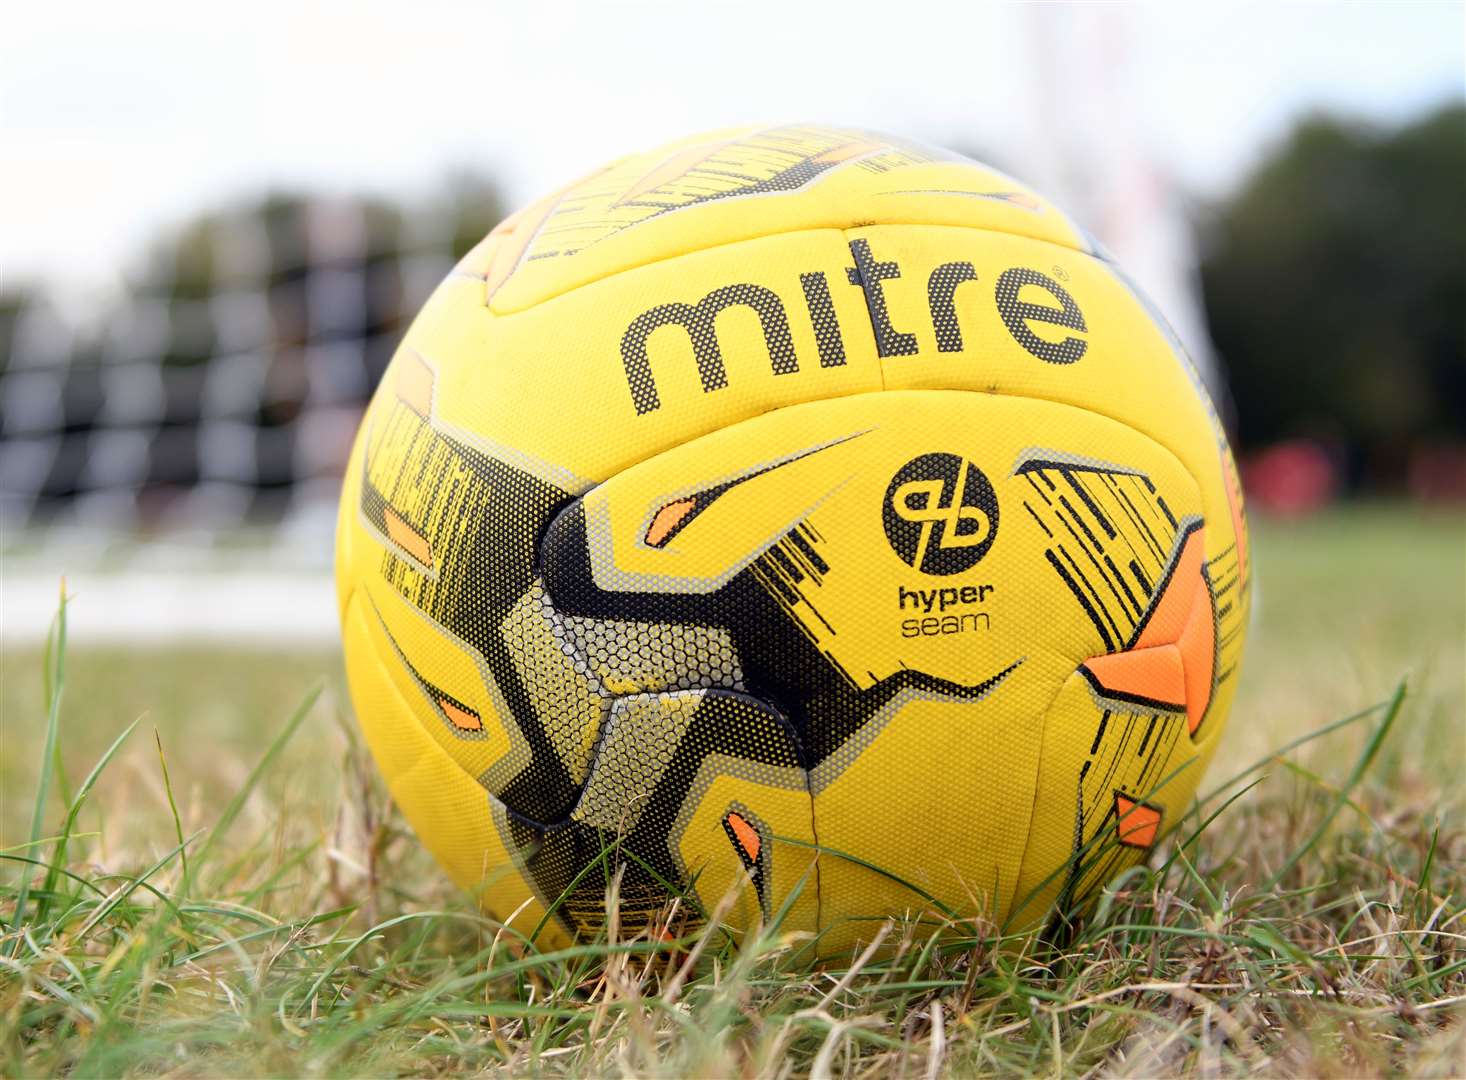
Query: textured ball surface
814	519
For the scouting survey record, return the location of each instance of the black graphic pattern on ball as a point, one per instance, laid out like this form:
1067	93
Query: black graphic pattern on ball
940	514
664	682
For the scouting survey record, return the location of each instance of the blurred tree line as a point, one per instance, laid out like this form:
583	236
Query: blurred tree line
1335	287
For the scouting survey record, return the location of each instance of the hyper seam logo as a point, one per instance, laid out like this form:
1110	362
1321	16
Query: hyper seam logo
940	513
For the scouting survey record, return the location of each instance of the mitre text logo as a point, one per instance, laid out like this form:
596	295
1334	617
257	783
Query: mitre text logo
952	294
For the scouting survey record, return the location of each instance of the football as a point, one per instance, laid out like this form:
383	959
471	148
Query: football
810	524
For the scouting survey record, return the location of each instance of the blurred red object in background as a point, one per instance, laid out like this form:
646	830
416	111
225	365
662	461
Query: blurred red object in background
1294	477
1437	473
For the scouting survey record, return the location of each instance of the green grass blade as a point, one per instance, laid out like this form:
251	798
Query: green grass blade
133	884
1273	755
355	943
1196	832
601	861
173	809
236	804
68	828
10	856
855	860
54	675
1361	766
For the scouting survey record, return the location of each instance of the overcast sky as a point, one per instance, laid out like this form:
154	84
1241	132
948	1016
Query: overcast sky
119	118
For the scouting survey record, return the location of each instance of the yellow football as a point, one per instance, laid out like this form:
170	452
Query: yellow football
809	522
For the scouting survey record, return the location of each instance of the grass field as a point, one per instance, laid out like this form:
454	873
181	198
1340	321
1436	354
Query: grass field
234	896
